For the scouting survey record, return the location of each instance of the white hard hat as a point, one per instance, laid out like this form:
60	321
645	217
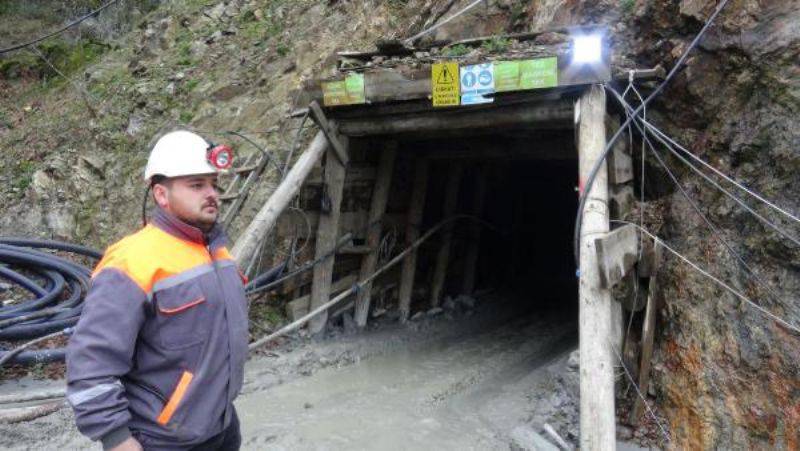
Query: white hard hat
179	153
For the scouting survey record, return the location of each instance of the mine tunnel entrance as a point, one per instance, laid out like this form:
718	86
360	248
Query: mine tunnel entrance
521	183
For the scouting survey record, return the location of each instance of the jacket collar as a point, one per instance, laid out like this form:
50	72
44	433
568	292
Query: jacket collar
214	239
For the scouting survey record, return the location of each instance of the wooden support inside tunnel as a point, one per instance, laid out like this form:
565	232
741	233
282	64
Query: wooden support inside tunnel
413	224
380	195
443	256
327	234
471	260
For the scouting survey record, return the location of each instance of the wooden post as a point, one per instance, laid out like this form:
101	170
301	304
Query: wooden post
268	215
443	257
326	240
415	210
471	260
380	195
598	419
648	333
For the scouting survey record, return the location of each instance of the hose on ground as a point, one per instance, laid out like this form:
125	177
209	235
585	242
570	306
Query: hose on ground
57	287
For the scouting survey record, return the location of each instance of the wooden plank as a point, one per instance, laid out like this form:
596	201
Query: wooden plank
354	222
471	260
331	132
596	310
382	84
620	162
617	252
443	256
549	115
327	233
299	307
354	174
268	215
621	200
415	209
648	334
380	195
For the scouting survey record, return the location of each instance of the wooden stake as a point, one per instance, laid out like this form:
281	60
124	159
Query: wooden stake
268	215
443	257
326	240
598	420
471	260
380	196
648	333
415	210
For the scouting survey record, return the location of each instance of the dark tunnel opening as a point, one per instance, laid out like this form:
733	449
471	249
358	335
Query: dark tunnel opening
530	200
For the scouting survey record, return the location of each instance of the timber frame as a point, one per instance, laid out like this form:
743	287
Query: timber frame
396	105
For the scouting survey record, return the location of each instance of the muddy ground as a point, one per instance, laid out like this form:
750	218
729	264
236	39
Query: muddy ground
483	377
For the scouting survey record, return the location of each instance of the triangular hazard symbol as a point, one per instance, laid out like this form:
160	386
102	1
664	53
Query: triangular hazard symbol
445	77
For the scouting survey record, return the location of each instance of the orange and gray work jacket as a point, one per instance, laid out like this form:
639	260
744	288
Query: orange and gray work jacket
162	340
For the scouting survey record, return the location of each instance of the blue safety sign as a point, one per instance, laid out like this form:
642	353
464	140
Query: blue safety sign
477	83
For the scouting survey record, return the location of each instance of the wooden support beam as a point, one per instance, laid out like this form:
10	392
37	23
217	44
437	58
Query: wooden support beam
380	195
471	260
621	200
331	132
648	334
448	209
620	163
596	330
617	252
415	210
547	115
299	307
327	234
266	217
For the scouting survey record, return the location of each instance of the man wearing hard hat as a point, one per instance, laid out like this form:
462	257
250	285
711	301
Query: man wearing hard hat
158	355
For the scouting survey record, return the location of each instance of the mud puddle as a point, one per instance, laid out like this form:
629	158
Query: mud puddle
464	391
460	380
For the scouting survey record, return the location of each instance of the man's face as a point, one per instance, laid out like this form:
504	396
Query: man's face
193	198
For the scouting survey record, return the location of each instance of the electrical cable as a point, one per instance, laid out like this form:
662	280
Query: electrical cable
60	30
727	178
719	282
362	283
716	232
596	168
58	286
445	21
639	392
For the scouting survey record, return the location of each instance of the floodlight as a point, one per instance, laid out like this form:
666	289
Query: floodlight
587	49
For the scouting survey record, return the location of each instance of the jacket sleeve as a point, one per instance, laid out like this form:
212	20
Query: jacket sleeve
100	352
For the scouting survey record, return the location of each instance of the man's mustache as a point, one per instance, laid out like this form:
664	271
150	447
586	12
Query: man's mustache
210	203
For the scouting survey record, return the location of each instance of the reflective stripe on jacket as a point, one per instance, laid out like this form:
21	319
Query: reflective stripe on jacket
162	340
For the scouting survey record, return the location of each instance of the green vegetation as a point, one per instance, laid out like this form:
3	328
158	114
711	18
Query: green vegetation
496	45
282	49
456	50
23	175
627	6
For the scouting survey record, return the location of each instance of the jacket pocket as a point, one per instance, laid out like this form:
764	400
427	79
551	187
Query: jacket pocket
175	400
182	315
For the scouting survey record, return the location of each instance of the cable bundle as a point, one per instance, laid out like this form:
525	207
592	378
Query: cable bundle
57	295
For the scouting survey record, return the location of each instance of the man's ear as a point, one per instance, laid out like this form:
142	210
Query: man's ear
160	195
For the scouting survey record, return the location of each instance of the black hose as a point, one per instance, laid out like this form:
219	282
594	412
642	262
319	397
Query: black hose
58	286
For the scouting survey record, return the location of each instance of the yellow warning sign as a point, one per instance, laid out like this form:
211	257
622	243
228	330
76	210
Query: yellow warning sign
445	85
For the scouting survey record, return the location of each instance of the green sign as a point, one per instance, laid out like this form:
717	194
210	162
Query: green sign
525	74
349	91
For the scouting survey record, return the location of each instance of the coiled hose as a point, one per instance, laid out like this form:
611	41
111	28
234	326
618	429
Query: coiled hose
58	287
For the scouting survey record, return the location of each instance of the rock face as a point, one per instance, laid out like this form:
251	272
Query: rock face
726	376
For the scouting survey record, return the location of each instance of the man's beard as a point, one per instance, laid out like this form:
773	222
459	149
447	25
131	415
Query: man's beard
204	225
